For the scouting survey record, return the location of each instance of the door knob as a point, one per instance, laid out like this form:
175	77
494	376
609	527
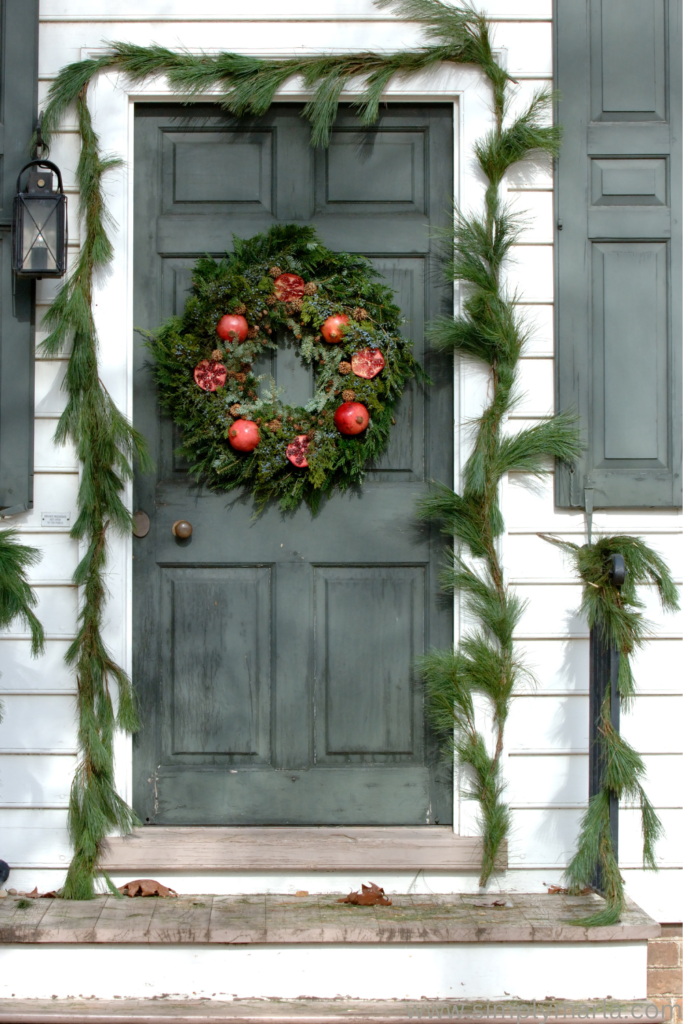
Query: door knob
182	529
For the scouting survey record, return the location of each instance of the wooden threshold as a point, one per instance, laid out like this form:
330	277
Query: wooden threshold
163	848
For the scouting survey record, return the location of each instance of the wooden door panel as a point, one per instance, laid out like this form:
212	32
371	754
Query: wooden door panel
216	671
369	626
369	172
212	171
404	458
274	654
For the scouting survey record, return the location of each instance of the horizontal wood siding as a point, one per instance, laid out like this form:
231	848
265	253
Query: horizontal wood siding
546	753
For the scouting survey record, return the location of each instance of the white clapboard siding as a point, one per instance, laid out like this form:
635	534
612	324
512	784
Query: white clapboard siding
556	664
544	780
535	213
56	609
36	837
545	760
530	273
551	722
38	780
22	673
535	388
40	724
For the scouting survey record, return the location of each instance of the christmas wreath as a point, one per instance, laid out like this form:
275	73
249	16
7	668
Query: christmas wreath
235	430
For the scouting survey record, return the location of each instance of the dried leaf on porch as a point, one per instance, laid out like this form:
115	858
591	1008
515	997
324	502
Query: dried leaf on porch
496	903
370	896
146	887
560	890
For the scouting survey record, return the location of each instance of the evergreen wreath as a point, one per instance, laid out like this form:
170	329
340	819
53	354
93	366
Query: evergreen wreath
283	286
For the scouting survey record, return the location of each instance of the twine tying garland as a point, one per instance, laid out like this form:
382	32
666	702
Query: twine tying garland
617	613
489	330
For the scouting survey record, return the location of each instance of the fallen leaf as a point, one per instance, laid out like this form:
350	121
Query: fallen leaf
52	895
301	892
495	903
371	896
146	887
32	895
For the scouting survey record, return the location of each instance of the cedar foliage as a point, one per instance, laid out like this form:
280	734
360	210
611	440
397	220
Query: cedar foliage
242	280
617	613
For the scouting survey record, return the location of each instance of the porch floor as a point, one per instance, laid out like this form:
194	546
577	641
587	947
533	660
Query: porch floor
272	918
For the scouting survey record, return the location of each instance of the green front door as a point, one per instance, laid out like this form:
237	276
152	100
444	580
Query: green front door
274	657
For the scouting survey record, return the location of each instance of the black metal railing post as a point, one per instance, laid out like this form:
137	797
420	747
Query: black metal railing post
604	675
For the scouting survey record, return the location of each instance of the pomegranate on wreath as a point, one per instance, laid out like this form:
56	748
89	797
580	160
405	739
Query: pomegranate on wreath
210	375
244	435
232	327
296	451
333	328
288	287
351	418
367	363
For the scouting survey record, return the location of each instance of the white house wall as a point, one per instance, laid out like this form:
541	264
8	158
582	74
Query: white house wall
546	762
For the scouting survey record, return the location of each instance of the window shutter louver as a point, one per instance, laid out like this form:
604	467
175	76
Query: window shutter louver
618	249
18	104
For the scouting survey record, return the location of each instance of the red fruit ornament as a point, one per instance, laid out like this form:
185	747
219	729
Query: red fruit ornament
333	328
232	327
296	451
367	363
210	375
288	287
243	435
351	418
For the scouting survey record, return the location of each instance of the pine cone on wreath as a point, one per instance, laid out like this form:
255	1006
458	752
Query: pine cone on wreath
310	288
271	300
295	306
240	378
344	368
240	310
253	331
217	355
275	271
348	396
360	314
274	425
234	410
310	434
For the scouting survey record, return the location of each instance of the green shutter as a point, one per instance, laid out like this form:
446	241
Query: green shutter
18	102
618	254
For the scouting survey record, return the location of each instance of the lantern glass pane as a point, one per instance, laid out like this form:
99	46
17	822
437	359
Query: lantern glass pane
40	239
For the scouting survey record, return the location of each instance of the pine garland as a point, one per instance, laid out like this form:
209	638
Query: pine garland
17	599
245	283
617	613
489	329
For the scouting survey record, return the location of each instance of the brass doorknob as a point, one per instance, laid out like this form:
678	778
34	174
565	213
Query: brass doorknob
182	529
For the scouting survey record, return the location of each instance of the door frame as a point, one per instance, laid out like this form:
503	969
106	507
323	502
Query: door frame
112	102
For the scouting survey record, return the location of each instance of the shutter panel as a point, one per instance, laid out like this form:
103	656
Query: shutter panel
18	105
618	249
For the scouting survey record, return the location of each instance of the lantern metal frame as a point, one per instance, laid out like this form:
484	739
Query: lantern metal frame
22	208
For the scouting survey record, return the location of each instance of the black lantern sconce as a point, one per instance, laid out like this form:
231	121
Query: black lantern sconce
39	225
